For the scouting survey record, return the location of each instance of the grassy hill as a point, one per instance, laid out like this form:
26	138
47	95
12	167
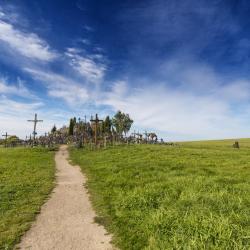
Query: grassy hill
26	178
191	196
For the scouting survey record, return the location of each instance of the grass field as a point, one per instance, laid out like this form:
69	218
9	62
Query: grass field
26	178
192	196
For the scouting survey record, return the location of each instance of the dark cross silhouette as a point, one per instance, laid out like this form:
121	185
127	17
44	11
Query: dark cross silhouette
35	121
96	122
6	137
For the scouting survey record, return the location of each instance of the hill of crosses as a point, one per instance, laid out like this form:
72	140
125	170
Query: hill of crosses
93	133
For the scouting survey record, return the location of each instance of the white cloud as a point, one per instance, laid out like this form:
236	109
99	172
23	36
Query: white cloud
14	89
73	95
91	67
61	87
27	44
9	106
178	114
236	91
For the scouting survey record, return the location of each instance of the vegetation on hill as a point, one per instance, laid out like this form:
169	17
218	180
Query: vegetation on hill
192	196
119	124
26	178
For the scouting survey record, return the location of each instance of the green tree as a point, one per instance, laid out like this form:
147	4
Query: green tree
107	124
53	130
122	123
71	126
127	124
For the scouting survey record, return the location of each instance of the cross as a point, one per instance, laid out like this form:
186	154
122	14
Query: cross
6	137
146	134
96	122
85	123
35	121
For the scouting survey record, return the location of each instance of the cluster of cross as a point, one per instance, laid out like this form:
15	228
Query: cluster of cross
85	133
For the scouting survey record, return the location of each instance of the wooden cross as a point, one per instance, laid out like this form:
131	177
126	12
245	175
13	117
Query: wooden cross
6	137
35	121
96	122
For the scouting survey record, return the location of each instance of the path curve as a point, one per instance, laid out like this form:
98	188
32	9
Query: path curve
66	220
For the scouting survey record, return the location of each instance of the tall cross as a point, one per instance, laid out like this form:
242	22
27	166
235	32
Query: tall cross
96	122
35	121
6	137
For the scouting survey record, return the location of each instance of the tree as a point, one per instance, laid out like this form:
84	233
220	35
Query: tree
127	124
71	126
107	124
12	140
53	130
117	122
122	123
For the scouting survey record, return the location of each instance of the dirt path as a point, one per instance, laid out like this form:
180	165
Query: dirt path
66	220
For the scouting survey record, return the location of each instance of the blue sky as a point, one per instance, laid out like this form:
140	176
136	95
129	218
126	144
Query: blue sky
179	68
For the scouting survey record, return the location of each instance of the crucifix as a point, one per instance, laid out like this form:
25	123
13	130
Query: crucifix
6	137
96	122
35	121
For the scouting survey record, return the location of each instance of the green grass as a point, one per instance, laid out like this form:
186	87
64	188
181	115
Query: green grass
192	196
26	178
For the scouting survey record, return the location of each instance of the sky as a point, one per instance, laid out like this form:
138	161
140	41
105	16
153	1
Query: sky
178	68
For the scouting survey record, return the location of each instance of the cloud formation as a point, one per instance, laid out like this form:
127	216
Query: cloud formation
14	89
184	113
27	44
60	86
91	67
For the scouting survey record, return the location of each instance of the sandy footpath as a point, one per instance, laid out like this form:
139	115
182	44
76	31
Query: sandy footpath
66	220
